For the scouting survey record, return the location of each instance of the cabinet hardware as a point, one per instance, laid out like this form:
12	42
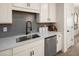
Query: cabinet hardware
67	30
33	52
30	53
28	4
57	41
48	39
59	35
48	19
71	39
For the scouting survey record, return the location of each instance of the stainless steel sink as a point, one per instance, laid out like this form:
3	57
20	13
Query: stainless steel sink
24	38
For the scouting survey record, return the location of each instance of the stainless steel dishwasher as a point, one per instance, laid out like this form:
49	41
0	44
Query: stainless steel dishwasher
50	46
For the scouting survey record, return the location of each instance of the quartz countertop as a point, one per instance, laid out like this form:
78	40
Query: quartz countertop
10	42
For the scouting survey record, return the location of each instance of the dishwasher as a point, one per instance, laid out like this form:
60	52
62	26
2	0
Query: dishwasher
50	46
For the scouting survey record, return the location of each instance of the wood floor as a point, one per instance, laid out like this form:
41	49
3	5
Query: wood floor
72	51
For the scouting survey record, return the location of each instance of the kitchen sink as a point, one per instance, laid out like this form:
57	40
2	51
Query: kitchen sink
29	37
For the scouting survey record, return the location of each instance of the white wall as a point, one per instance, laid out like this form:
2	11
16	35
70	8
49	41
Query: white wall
60	20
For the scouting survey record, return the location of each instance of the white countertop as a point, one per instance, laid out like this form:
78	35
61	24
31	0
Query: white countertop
10	42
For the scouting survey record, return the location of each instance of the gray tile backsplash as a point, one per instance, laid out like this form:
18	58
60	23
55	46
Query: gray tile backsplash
18	27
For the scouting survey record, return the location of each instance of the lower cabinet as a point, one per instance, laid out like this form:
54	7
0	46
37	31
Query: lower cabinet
35	48
37	51
20	50
59	42
6	52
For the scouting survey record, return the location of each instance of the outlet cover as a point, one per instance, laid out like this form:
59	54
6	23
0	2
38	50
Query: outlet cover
4	29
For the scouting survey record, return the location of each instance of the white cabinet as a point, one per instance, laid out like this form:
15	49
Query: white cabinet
44	13
35	48
6	52
35	6
27	7
5	13
19	51
47	13
52	12
22	5
59	42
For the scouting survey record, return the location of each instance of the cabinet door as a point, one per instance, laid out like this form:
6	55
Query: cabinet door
5	13
44	13
35	6
22	5
52	12
19	51
37	48
37	51
6	52
23	53
59	42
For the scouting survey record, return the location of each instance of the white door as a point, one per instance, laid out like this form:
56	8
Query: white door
70	31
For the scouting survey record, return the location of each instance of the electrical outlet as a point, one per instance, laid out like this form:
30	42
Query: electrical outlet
4	29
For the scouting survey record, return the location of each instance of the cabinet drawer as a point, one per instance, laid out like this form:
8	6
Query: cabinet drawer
6	52
21	53
39	50
35	6
22	5
36	43
36	50
25	50
19	49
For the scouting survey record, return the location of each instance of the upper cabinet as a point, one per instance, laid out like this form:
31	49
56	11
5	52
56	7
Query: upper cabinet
27	7
52	12
5	13
35	6
21	5
44	13
47	13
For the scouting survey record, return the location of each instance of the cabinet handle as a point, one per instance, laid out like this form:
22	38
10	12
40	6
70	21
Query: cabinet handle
48	39
33	52
48	19
30	53
57	41
67	30
28	4
59	35
71	39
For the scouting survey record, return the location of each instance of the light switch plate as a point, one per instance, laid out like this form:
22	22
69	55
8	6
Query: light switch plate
4	29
